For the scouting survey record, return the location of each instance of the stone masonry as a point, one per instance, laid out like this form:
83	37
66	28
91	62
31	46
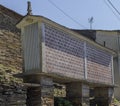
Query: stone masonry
12	91
12	95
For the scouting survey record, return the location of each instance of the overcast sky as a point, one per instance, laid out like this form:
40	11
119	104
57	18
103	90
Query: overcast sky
72	13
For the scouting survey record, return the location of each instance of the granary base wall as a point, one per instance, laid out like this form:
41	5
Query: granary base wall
103	96
41	95
78	93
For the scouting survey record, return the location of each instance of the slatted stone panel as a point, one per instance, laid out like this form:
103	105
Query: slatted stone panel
31	48
98	65
64	53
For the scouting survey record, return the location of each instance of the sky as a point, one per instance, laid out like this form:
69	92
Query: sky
72	13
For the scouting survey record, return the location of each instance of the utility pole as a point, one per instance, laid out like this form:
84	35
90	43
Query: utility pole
90	20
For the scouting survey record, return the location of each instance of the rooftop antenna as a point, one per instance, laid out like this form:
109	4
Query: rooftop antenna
29	9
90	20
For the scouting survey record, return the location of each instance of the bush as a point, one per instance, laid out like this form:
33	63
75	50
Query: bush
62	102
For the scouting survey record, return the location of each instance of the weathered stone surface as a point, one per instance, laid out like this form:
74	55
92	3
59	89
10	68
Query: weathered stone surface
47	96
10	46
59	90
78	94
12	95
103	96
41	96
8	19
10	56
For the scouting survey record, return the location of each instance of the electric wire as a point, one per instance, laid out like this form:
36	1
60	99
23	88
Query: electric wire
112	10
113	6
67	15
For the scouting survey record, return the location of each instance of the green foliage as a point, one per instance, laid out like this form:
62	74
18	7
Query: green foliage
62	102
115	100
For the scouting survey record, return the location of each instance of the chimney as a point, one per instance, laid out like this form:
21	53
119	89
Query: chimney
29	9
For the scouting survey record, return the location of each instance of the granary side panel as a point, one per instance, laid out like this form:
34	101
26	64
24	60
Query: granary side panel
64	53
68	56
31	45
99	65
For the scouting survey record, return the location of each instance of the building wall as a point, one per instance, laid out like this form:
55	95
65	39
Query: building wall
111	39
117	78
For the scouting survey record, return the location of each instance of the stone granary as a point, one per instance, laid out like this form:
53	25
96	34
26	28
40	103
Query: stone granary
54	54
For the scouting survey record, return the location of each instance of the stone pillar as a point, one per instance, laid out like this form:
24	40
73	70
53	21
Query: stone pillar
43	95
103	96
47	92
78	94
34	96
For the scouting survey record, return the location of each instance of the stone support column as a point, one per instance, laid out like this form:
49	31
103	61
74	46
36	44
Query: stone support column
103	96
43	95
78	94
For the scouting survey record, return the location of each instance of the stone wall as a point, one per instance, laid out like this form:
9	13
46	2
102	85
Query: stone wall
8	19
10	46
12	91
12	95
10	57
41	95
78	94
